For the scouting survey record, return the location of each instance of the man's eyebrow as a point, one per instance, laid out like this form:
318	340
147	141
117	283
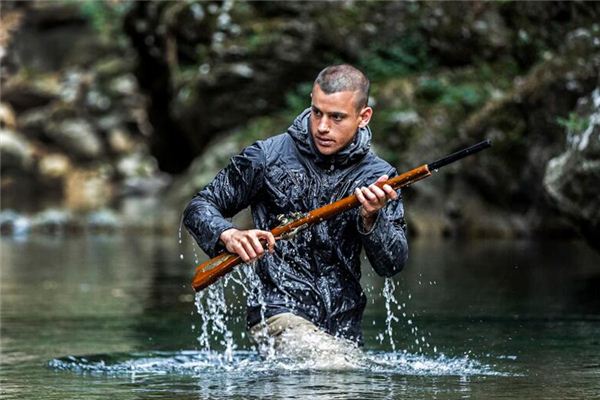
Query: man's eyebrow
335	114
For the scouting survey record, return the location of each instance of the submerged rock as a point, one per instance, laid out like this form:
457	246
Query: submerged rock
572	179
13	223
104	220
53	221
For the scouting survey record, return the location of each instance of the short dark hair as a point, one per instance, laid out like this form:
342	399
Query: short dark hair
345	77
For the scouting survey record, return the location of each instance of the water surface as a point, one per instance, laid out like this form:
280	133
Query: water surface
113	316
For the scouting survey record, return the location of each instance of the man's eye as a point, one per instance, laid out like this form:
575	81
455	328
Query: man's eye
317	113
337	118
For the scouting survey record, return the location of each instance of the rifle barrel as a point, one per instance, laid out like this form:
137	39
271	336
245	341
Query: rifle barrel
459	154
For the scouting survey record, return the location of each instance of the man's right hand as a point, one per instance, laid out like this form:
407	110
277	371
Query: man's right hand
247	244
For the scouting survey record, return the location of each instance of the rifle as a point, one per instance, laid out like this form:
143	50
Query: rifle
210	271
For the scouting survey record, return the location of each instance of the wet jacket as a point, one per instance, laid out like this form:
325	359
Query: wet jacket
316	274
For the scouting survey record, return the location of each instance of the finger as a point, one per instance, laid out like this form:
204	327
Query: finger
377	191
370	196
267	237
365	205
238	249
249	250
256	244
271	242
382	178
360	196
390	192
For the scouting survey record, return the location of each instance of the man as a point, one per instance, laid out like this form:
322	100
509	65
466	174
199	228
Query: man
310	283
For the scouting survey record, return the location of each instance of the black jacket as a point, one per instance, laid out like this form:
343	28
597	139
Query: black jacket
316	274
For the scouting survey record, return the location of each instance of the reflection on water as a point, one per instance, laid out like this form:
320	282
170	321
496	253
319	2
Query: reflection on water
478	319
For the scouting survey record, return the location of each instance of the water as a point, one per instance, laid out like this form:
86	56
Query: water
111	316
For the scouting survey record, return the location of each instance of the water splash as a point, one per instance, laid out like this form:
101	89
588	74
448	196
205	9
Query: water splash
388	294
212	307
420	341
249	363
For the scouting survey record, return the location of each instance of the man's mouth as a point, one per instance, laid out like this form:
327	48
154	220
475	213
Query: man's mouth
324	142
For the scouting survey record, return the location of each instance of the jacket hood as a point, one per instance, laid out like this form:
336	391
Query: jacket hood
355	151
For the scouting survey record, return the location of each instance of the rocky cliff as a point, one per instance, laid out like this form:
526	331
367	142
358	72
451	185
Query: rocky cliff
113	107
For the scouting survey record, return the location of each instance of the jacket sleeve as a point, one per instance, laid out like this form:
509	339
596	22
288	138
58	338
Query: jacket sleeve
208	213
385	244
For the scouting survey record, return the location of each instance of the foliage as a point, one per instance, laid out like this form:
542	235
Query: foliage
574	123
298	99
409	55
454	95
105	15
467	95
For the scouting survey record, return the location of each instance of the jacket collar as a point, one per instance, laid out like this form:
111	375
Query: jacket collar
355	151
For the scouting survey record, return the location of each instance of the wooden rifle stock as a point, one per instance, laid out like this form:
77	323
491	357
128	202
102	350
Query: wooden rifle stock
210	271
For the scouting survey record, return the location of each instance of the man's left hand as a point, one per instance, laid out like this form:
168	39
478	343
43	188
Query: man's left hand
373	199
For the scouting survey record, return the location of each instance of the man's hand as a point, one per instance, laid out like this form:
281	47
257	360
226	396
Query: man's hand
247	244
372	199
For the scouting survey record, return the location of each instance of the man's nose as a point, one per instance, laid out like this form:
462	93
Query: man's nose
323	125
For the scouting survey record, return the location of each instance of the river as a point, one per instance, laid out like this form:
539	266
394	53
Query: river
113	316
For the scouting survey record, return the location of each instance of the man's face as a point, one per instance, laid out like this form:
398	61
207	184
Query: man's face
334	119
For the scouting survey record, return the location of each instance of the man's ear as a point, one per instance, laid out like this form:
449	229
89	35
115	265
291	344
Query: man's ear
365	116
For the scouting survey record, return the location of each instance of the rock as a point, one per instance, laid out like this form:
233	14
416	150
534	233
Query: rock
33	122
54	165
77	137
88	189
7	117
120	141
15	152
137	164
22	93
572	179
144	186
200	173
522	126
457	34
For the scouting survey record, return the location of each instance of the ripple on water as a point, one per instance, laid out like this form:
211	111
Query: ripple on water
250	363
